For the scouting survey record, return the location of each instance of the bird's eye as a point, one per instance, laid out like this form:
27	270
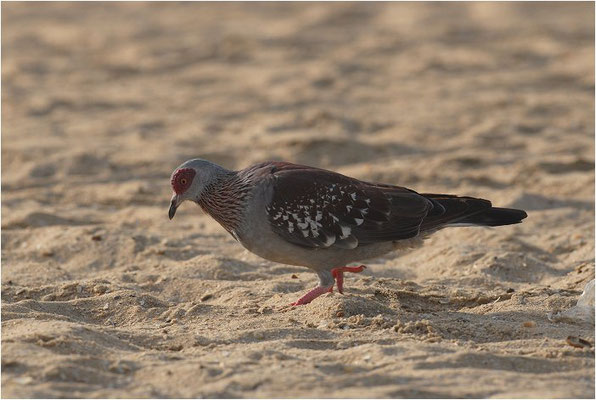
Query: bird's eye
183	181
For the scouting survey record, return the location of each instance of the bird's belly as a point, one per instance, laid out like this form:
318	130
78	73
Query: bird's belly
279	250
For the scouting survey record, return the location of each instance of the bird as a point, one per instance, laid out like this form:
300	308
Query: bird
323	220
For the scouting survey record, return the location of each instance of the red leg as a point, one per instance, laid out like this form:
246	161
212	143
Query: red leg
313	294
338	274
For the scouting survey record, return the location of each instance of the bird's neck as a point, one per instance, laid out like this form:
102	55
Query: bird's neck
224	200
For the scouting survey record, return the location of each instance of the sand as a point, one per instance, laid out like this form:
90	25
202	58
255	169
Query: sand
103	296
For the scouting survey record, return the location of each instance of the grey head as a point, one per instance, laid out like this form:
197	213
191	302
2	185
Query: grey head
190	179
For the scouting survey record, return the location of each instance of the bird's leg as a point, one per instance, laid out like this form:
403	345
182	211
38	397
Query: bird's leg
313	294
338	274
326	282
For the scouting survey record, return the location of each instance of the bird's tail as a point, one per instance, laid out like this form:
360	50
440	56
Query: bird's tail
495	216
452	210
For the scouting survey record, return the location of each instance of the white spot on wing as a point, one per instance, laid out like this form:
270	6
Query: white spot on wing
329	241
302	225
345	231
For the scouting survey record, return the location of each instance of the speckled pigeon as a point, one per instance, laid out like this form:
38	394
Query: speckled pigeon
300	215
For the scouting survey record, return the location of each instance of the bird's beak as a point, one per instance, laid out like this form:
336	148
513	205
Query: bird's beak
174	206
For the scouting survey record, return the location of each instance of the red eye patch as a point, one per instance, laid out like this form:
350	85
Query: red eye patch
182	179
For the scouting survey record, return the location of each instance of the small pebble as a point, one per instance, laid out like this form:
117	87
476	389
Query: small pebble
100	289
176	347
23	380
265	310
578	342
106	306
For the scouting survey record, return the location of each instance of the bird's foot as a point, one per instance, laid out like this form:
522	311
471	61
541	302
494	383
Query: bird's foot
338	274
313	294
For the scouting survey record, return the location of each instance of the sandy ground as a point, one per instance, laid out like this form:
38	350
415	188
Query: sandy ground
103	296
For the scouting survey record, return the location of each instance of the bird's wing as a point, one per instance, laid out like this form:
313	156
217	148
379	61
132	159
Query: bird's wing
317	208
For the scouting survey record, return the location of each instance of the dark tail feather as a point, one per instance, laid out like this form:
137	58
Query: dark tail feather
495	216
450	210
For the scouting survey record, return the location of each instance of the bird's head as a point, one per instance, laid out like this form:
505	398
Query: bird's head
190	179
